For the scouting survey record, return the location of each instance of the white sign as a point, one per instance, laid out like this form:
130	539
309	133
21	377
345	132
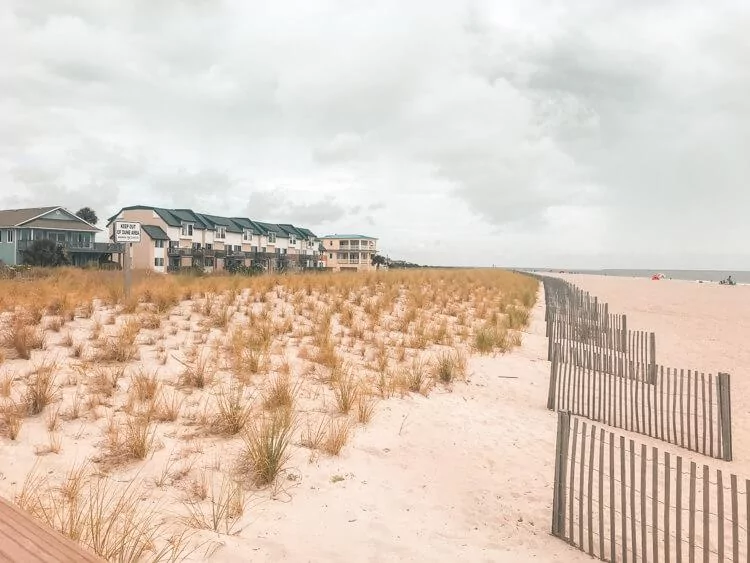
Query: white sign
127	231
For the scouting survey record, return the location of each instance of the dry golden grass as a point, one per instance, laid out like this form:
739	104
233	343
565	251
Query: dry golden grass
267	448
198	373
7	380
215	510
449	366
11	417
144	385
106	517
128	441
337	435
234	411
41	389
21	337
319	348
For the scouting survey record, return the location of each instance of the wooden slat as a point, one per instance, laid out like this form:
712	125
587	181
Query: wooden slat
735	519
678	510
623	500
571	490
601	494
706	514
711	415
590	507
720	515
691	515
644	510
633	488
655	504
667	506
703	411
581	490
23	539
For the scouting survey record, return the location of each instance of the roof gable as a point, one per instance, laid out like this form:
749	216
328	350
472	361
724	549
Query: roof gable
14	217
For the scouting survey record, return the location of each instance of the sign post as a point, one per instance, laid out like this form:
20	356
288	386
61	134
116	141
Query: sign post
126	233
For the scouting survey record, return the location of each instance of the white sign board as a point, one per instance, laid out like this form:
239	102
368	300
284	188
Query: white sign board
127	231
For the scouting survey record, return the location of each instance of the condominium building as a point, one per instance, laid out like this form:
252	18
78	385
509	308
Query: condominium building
19	228
342	253
181	238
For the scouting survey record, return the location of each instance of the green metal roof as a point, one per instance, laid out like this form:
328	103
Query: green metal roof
175	218
155	232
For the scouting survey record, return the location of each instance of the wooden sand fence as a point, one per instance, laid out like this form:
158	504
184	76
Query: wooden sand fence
637	363
682	407
619	500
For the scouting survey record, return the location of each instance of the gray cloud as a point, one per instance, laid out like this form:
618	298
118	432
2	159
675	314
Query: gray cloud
589	132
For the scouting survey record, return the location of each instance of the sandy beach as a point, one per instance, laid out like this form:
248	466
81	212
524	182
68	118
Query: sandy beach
465	473
698	326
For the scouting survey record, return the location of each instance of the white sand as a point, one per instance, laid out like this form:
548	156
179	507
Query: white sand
461	475
457	476
704	327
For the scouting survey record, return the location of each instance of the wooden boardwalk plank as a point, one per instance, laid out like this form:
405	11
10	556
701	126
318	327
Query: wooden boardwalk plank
24	539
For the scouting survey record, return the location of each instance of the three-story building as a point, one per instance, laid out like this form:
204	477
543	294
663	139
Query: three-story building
181	238
341	253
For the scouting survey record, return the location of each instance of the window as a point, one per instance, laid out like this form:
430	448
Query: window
330	255
187	229
196	246
158	244
221	232
247	235
292	240
237	248
271	238
159	262
209	246
1	236
330	243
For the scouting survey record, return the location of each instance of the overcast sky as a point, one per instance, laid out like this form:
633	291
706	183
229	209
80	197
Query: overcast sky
600	133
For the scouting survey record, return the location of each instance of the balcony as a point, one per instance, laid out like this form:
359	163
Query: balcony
176	251
75	247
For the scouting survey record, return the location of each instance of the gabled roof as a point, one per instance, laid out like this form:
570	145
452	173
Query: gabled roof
175	218
214	221
292	230
155	232
307	232
272	228
166	214
349	237
20	217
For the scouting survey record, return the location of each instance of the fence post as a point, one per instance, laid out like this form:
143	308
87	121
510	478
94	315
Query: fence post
553	378
561	471
624	333
725	415
652	359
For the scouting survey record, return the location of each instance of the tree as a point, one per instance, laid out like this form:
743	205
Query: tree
378	260
46	253
88	215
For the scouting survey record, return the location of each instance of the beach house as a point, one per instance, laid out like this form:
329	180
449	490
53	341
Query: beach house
20	228
341	253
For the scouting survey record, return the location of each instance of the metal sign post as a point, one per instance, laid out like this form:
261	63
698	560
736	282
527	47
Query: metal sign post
126	233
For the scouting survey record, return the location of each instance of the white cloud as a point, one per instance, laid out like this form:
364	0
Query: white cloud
584	133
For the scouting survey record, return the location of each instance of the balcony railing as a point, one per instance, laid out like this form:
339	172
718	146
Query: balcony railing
74	246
